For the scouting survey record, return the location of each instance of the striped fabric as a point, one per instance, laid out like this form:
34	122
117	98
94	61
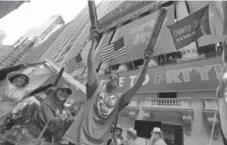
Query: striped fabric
112	51
74	63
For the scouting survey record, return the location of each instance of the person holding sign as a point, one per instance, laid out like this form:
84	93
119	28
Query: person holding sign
93	124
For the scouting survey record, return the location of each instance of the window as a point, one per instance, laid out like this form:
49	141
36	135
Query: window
168	95
138	63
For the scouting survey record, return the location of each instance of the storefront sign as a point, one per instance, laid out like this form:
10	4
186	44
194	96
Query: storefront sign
192	76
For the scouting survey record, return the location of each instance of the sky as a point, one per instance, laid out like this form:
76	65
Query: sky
35	13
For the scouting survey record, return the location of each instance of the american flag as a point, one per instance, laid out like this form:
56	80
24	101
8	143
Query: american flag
74	63
114	50
224	52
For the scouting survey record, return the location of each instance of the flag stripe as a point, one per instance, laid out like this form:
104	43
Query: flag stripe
73	64
112	51
113	55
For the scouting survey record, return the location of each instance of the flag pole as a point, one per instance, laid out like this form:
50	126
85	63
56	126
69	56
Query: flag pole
224	60
94	22
156	29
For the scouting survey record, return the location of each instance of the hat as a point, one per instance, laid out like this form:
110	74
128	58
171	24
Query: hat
120	129
132	132
156	130
66	88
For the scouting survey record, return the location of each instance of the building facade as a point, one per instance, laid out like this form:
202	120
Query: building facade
5	51
18	52
62	46
35	36
178	95
37	52
43	31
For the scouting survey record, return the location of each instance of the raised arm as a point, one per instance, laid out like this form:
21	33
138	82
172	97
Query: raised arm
128	95
5	71
92	75
92	82
40	89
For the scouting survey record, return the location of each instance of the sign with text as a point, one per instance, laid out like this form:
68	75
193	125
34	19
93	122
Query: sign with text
198	75
190	28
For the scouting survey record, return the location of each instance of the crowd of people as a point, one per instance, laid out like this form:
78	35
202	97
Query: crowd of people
41	117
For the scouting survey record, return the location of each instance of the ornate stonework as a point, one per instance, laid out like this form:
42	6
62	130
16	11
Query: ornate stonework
208	116
131	111
209	120
187	119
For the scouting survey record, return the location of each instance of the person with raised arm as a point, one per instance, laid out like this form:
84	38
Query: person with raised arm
93	124
13	88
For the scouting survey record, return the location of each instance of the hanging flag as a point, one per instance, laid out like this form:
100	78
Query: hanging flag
190	28
114	50
74	63
224	6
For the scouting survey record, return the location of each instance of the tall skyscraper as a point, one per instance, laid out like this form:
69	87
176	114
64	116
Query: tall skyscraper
54	23
5	51
34	35
2	36
43	31
61	46
36	53
18	52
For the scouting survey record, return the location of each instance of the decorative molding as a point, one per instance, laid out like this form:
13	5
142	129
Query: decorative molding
130	114
208	116
129	10
131	111
187	119
209	122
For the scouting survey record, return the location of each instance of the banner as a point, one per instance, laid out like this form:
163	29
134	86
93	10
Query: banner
201	75
190	28
136	35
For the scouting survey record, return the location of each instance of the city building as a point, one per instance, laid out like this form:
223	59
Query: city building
37	52
18	52
2	36
5	51
8	6
54	23
43	31
60	48
37	35
178	95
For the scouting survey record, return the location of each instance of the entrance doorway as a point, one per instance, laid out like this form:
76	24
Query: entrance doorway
173	134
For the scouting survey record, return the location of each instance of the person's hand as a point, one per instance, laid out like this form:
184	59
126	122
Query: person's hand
25	65
147	57
148	54
94	34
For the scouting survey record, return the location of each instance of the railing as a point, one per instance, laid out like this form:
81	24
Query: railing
165	103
